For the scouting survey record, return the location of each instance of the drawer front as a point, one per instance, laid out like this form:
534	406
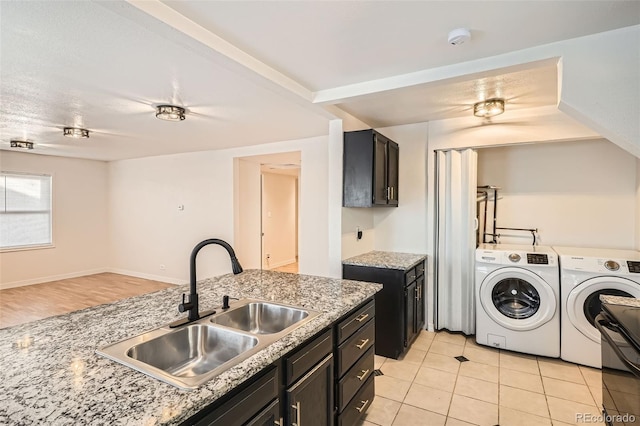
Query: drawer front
355	378
420	269
240	408
354	411
301	361
355	346
410	276
270	416
349	325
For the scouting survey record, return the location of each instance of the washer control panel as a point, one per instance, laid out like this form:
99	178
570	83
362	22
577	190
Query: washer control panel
634	266
537	259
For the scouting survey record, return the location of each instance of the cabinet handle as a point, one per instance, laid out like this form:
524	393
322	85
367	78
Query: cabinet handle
362	317
388	192
279	423
363	375
362	345
364	404
297	408
417	295
392	192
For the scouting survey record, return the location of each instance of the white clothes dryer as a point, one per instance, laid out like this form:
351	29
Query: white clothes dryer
517	298
585	274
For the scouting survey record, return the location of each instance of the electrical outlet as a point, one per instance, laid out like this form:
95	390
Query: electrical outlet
162	267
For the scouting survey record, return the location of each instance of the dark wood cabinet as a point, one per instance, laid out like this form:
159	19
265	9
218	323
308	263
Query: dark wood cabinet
355	340
370	170
310	400
327	379
400	309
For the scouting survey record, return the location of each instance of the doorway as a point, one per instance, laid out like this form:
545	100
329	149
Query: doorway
266	210
279	218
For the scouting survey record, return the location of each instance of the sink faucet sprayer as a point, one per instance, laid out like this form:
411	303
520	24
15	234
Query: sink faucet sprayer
192	304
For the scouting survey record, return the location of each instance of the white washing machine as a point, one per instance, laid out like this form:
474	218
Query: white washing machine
585	274
517	299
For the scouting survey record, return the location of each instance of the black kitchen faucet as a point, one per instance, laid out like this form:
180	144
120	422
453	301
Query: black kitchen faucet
192	305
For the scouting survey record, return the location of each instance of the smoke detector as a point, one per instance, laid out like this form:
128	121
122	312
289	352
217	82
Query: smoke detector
459	36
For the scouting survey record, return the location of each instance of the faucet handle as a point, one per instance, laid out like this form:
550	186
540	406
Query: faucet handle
184	306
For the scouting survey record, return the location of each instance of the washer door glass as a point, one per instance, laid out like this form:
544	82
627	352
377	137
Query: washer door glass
515	298
583	301
518	299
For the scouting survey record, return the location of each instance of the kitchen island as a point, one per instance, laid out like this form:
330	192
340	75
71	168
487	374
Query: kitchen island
52	375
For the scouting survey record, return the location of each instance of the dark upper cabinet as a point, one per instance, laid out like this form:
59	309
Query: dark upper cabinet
370	170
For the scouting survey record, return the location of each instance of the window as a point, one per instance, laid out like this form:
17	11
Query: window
25	210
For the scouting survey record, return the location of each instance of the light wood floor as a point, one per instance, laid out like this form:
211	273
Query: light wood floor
291	267
28	303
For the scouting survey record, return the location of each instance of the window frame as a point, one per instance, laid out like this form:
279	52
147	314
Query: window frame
40	246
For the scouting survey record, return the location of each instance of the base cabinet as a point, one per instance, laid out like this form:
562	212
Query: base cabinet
310	400
400	305
326	380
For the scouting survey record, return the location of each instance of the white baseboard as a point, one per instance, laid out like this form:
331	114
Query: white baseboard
147	276
284	262
47	279
52	278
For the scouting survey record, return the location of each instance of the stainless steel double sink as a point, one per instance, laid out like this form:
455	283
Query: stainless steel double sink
191	355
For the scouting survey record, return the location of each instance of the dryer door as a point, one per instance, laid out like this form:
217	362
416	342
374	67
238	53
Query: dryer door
583	301
517	299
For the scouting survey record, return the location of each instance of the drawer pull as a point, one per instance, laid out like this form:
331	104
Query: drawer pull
279	423
297	408
363	375
364	404
362	317
363	344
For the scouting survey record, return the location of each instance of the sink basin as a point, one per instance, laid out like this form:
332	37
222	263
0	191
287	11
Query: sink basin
193	350
261	317
193	354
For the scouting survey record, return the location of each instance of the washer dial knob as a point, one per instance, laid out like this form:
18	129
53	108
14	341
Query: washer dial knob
514	257
612	265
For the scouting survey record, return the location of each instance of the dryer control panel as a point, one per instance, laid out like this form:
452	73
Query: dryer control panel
634	266
604	266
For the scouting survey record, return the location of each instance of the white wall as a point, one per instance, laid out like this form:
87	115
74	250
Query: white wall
247	209
404	228
148	230
278	219
638	204
579	193
353	218
80	221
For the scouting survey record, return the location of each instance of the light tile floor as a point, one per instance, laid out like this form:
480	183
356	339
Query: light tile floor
428	386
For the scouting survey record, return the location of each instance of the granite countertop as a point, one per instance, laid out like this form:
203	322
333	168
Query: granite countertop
619	300
385	259
51	374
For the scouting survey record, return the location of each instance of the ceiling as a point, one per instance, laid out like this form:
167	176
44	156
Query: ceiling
247	72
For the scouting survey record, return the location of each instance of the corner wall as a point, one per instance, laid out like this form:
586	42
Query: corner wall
80	221
153	238
576	193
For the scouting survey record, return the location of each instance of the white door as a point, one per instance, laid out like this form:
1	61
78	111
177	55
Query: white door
517	299
583	302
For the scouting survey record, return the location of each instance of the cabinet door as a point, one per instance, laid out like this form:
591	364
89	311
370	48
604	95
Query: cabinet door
310	400
410	313
420	310
270	416
393	153
380	170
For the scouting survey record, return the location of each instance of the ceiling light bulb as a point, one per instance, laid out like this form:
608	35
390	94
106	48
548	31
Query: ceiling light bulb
170	112
489	108
21	144
75	132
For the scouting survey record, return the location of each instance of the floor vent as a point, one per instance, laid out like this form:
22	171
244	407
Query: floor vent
378	372
461	358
